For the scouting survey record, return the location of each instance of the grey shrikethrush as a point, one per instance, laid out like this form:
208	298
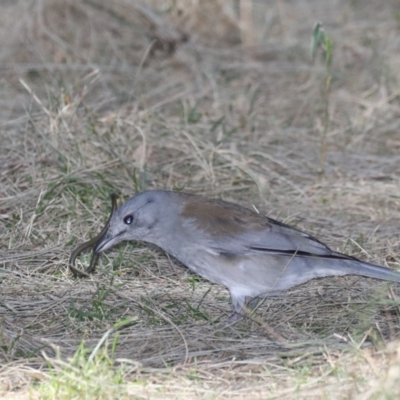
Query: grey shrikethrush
250	254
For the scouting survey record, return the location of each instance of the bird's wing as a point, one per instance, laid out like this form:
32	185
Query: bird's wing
277	239
231	229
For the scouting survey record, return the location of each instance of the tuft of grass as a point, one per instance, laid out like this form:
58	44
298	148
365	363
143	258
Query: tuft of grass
91	373
321	39
98	309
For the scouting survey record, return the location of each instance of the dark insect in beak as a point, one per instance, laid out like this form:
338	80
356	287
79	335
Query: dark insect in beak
91	243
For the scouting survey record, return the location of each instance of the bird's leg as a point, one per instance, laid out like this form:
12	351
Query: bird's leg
233	318
253	303
242	309
239	309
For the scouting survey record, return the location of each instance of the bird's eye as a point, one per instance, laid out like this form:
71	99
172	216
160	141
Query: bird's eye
128	219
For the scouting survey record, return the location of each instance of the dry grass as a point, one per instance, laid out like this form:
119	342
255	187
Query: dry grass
181	94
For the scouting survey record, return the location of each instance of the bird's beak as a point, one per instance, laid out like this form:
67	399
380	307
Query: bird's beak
104	243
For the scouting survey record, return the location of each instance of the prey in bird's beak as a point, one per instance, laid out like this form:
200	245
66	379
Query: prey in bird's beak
98	242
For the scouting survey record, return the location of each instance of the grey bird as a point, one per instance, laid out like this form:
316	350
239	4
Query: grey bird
250	254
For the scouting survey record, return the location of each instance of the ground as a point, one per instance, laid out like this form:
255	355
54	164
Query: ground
219	98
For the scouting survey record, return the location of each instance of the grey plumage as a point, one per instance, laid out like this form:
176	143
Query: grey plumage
248	253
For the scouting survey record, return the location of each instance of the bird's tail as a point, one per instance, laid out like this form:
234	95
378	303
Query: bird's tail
336	264
356	267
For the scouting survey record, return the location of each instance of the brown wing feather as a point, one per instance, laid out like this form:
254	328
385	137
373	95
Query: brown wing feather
218	217
235	227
